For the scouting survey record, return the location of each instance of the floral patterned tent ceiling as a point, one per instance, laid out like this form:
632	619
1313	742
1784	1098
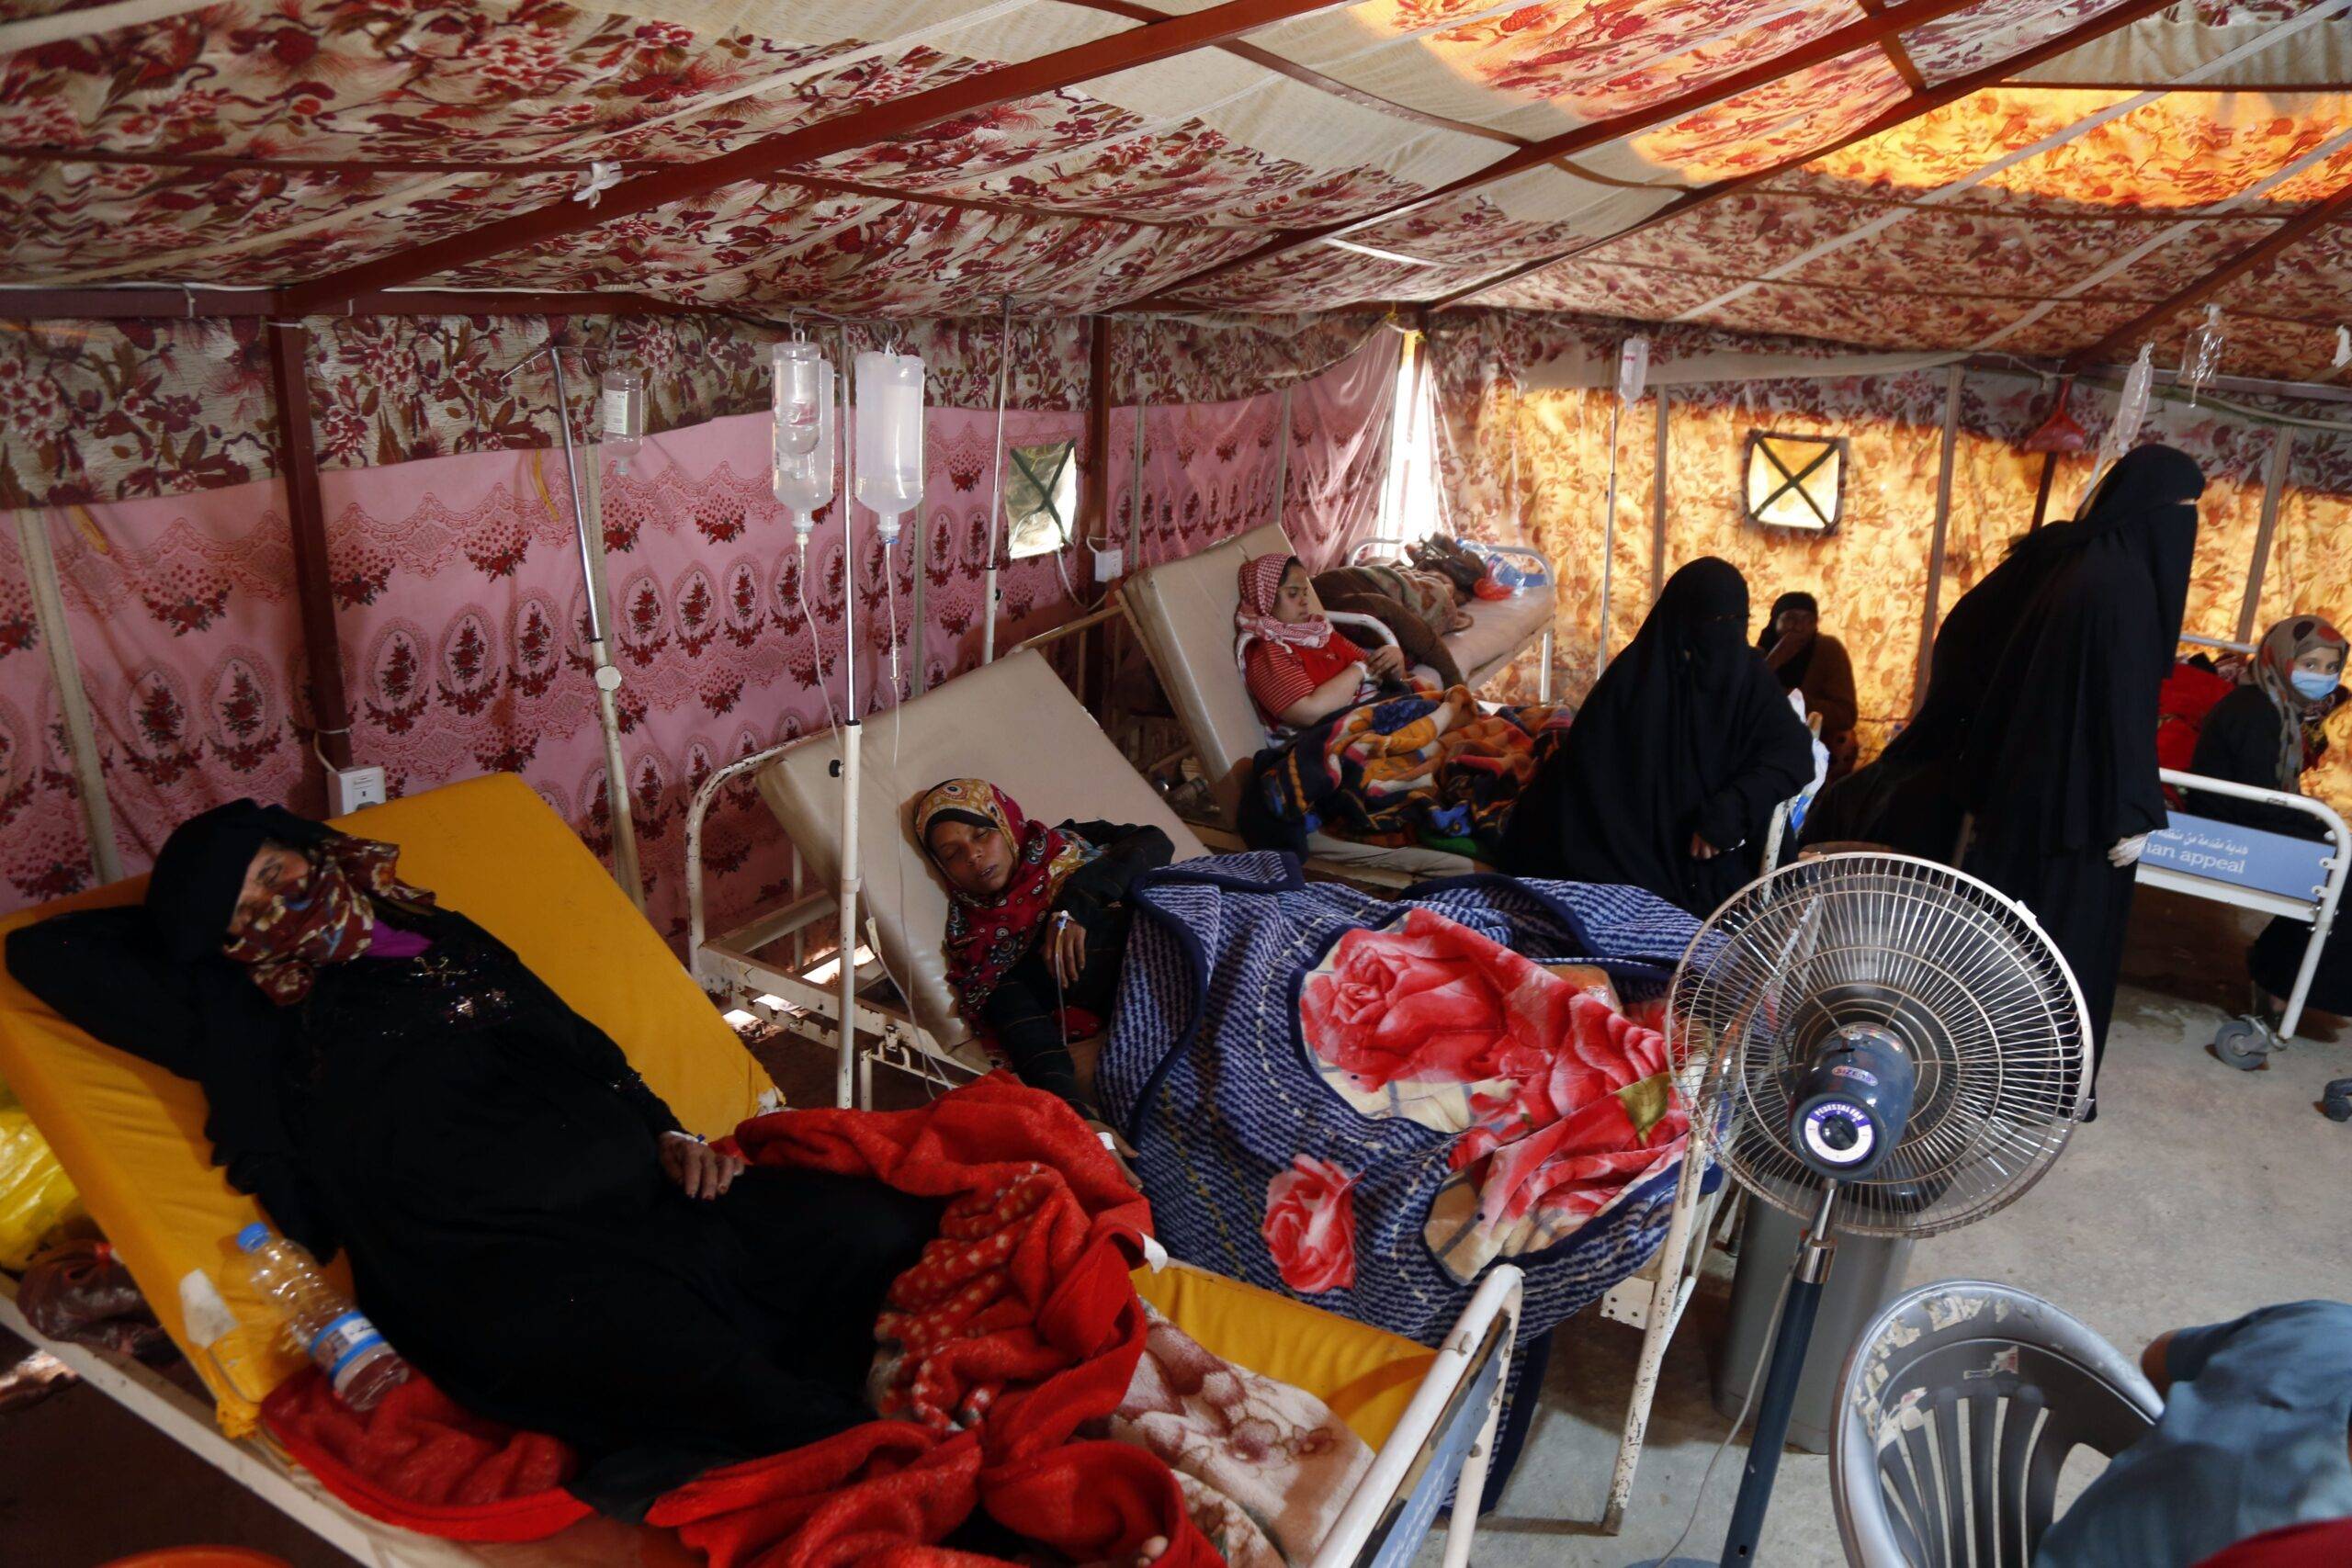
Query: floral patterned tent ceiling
2026	174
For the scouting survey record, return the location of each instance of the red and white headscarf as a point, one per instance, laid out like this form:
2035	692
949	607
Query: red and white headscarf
987	936
1253	618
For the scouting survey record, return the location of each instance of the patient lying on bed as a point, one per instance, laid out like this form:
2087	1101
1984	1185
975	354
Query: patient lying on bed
1036	920
526	1220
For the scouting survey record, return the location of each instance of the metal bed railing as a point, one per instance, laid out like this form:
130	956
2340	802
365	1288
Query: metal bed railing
2274	874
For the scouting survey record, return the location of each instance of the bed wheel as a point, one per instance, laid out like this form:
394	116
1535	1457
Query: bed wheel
2244	1044
2337	1105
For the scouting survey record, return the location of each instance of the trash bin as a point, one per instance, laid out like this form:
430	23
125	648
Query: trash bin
1866	1274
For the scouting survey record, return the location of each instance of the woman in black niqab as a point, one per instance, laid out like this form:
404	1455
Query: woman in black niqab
1667	778
2060	765
387	1076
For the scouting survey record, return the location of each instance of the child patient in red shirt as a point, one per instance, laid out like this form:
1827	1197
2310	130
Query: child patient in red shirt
1300	669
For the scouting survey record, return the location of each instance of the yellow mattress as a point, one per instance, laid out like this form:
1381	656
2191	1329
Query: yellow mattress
130	1135
1366	1375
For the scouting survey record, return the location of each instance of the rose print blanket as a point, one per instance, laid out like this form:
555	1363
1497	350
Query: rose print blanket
1366	1101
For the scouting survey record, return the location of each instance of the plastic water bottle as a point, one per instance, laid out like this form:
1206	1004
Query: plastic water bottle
320	1320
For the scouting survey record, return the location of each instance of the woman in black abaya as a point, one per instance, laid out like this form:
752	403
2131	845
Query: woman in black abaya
1909	798
2060	765
1668	776
526	1222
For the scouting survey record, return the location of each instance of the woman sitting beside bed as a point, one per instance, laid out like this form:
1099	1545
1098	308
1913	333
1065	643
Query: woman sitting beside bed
1300	667
2264	734
526	1220
1036	920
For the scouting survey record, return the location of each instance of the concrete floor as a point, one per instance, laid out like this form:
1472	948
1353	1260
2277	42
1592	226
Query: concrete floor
2200	1193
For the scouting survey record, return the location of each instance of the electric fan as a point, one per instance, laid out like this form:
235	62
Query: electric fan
1879	1045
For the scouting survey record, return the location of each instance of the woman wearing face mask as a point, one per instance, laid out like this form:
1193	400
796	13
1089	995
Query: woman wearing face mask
2264	733
1037	920
1668	776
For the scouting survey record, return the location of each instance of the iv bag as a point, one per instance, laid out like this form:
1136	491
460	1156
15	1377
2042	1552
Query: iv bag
798	398
889	435
622	415
2201	355
1633	369
804	481
2131	408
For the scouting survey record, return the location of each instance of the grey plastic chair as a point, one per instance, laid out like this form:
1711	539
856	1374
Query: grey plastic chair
1958	1408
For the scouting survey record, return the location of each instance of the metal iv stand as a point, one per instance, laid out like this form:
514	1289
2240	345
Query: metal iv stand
606	674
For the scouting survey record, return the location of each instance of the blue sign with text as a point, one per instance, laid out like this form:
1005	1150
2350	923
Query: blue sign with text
2241	857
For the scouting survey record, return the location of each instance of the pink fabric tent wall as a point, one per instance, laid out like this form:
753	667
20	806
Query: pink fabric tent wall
460	611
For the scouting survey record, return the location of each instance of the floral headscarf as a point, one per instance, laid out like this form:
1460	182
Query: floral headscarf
1253	618
2272	669
986	937
331	921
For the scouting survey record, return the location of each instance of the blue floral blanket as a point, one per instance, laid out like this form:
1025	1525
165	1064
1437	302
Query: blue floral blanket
1363	1103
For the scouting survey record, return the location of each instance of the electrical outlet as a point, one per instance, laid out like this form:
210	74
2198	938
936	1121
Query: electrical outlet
1107	564
352	788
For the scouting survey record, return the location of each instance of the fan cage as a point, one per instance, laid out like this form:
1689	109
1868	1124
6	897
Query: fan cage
1962	975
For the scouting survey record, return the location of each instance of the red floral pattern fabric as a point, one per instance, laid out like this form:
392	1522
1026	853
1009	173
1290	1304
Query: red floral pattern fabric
1560	1104
1310	1225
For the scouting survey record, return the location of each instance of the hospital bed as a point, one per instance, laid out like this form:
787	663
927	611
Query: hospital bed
1183	613
2274	874
1013	723
130	1136
1499	629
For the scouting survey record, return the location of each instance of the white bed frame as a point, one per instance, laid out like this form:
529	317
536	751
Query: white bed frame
1445	1439
1396	543
803	996
2244	1040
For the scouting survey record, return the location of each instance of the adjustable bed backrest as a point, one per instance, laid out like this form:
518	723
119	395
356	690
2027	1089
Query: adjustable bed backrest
1183	611
1013	723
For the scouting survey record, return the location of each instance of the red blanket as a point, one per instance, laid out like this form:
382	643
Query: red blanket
1018	1326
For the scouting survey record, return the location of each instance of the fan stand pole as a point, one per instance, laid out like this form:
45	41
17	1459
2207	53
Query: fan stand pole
1789	1344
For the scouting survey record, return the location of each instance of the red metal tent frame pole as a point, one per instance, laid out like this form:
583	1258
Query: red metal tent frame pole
861	128
1866	33
1909	109
298	466
151	303
2251	259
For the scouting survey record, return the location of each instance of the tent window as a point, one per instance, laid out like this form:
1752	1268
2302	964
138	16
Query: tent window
1795	481
1040	497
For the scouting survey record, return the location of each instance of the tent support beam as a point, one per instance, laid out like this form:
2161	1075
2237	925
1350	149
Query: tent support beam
1095	508
860	128
2254	257
1909	109
1930	608
1863	34
2282	443
147	303
1657	499
297	468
